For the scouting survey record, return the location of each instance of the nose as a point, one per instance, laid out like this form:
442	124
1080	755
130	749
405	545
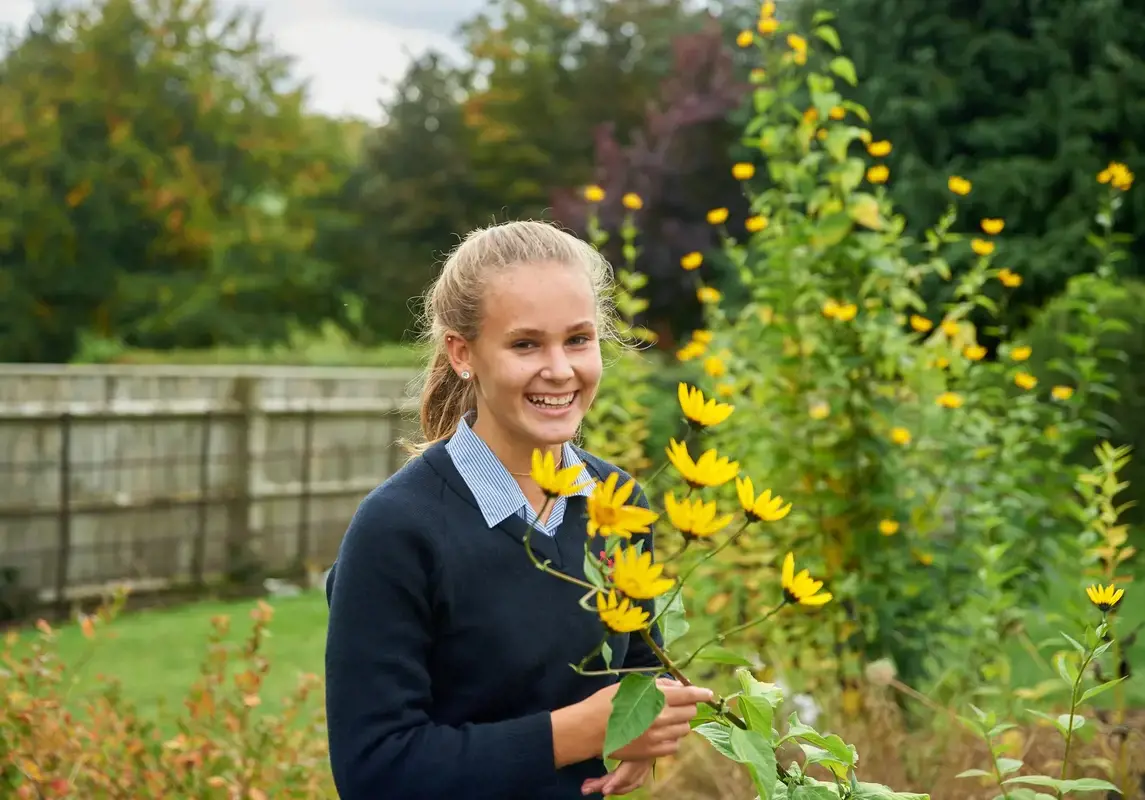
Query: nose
558	367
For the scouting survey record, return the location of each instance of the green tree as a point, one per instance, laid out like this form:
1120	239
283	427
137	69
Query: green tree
1027	100
158	182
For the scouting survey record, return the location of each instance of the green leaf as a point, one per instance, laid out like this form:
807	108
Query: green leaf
635	707
812	791
674	622
829	35
822	16
1066	721
1096	690
831	230
592	570
750	685
606	654
758	714
1066	786
752	749
845	69
1076	644
973	773
1009	765
719	737
876	791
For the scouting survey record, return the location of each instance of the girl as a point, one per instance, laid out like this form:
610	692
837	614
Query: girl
448	654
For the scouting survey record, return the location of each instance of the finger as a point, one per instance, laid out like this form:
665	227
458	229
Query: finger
675	714
686	695
670	732
616	777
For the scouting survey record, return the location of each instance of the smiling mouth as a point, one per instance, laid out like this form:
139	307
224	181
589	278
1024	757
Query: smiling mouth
552	402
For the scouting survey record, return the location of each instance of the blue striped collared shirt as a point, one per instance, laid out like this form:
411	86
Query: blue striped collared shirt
498	495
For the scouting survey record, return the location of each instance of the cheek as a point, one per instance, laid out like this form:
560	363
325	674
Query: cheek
590	367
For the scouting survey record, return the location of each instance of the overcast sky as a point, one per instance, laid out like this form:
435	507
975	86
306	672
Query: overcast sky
345	47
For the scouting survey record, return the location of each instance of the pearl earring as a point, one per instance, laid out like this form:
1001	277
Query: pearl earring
465	375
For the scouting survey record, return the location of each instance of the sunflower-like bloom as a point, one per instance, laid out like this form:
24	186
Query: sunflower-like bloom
555	482
764	508
710	469
637	577
609	516
621	616
1105	598
701	413
695	518
801	588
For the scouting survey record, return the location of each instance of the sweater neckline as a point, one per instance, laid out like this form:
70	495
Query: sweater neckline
545	547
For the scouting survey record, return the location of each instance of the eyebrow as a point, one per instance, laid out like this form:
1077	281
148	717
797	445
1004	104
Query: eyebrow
536	333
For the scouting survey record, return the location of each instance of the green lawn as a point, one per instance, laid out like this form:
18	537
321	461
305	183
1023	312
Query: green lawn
157	653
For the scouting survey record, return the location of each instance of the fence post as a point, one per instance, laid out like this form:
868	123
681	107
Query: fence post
304	494
246	519
64	549
199	554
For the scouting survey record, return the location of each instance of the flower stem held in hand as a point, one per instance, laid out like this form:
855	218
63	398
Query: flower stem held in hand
544	566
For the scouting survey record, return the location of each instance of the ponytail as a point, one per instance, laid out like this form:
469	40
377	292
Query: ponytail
445	399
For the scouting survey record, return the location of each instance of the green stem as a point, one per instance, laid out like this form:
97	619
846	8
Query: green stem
710	554
717	702
544	566
1073	702
720	637
997	769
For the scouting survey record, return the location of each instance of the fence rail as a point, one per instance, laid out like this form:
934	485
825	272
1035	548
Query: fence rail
162	476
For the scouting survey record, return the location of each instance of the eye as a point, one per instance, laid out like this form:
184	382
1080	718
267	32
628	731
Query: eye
580	339
522	344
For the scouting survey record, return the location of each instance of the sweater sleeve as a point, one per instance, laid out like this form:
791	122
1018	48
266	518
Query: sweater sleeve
639	653
379	695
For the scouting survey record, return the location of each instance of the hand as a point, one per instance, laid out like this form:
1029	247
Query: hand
664	735
627	777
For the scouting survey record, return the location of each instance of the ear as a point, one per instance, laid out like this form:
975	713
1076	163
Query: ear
460	353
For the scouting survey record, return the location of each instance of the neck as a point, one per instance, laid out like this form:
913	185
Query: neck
516	456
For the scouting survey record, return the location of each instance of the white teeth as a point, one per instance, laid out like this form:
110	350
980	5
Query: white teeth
551	401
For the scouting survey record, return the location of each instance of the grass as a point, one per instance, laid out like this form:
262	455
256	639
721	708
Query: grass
157	653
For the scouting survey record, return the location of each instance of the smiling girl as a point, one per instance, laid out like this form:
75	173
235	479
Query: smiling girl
448	653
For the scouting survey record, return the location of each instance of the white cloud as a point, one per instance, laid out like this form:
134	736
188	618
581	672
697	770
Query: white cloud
347	56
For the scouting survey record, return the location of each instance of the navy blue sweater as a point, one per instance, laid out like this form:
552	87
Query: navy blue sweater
446	649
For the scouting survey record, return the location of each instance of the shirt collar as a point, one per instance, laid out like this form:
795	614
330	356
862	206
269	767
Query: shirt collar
497	494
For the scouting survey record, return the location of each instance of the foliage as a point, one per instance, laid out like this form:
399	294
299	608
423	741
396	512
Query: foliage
220	746
1027	102
158	182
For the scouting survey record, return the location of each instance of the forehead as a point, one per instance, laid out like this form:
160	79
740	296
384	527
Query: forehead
548	296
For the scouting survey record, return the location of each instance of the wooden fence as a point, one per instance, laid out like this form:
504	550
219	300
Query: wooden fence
157	476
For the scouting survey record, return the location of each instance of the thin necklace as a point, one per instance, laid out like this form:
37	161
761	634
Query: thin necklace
529	474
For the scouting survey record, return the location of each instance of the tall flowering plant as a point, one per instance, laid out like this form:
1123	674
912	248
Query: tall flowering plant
707	506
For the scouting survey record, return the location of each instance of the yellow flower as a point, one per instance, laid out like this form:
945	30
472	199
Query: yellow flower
949	400
920	323
710	469
878	173
555	482
593	194
715	366
981	247
926	559
801	588
725	389
692	261
942	362
707	294
755	224
717	216
609	516
768	26
620	617
745	39
811	115
637	577
821	134
974	352
1021	353
797	42
759	74
1116	175
1062	392
1009	279
1025	380
993	226
767	9
765	507
959	185
690	351
888	527
846	312
819	410
880	148
831	309
632	201
900	436
695	518
743	171
950	327
698	412
1105	598
702	336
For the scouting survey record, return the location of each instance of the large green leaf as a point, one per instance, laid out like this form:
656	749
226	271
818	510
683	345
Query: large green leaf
753	749
635	707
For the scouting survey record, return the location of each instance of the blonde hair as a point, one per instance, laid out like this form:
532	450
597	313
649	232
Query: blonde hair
454	303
